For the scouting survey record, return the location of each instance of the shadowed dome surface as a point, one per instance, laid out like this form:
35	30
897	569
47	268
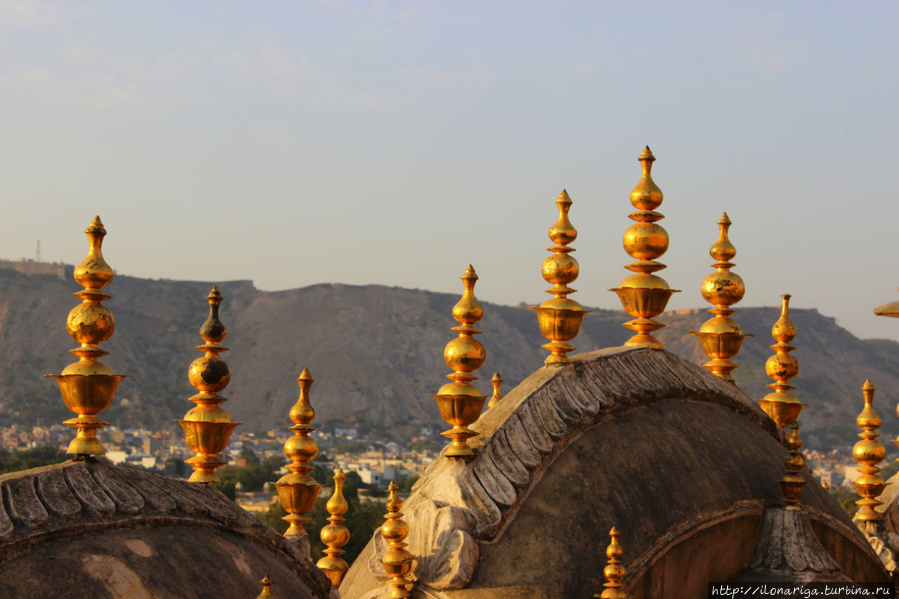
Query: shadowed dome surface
88	529
683	463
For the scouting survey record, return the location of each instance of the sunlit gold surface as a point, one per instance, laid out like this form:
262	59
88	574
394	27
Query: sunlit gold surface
721	336
208	426
614	572
782	406
644	295
460	402
397	560
560	318
297	490
88	386
335	535
266	589
869	452
497	382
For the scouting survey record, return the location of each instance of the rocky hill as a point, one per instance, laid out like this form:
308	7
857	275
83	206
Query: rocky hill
375	352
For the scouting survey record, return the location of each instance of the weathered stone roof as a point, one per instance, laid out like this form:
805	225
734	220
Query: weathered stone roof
89	529
681	462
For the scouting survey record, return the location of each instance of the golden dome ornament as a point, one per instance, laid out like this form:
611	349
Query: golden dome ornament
266	589
297	491
460	402
614	572
497	382
88	386
868	453
721	336
397	560
208	426
335	535
560	318
643	294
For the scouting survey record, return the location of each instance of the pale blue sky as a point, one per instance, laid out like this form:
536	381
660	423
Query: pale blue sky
295	143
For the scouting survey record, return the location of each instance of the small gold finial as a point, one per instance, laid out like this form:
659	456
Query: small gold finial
297	491
614	572
88	386
460	402
497	382
782	406
397	560
335	535
560	318
868	453
266	589
721	336
208	426
644	295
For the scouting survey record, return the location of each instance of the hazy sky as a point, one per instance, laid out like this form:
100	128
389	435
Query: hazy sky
295	143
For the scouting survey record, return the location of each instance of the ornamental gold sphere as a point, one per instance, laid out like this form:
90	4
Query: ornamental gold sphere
645	241
869	451
300	449
464	354
208	413
561	269
91	323
782	367
394	530
723	288
209	374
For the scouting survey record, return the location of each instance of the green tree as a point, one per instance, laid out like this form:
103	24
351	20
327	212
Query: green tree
14	461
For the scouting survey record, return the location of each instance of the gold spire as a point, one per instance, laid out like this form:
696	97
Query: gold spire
497	382
644	295
782	406
460	402
298	491
614	572
266	589
560	318
868	453
208	426
88	386
721	336
335	535
397	560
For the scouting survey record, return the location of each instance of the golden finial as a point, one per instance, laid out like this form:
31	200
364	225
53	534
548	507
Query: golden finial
868	453
782	406
497	382
614	572
88	386
266	589
208	426
397	560
298	491
335	535
721	336
644	295
560	318
460	402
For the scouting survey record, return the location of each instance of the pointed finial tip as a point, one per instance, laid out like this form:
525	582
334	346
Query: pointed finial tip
786	296
304	376
392	487
614	530
563	198
470	273
868	384
96	226
724	220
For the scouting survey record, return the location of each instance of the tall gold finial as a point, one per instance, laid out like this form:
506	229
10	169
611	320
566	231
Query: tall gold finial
208	426
397	560
644	295
497	382
868	453
460	402
782	406
614	572
266	589
297	491
721	336
335	535
560	318
88	386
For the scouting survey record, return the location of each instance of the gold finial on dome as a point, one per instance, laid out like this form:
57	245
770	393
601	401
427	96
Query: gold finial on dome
868	453
782	406
614	572
297	491
88	386
397	560
721	336
497	382
560	318
335	535
643	294
460	402
208	426
266	589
